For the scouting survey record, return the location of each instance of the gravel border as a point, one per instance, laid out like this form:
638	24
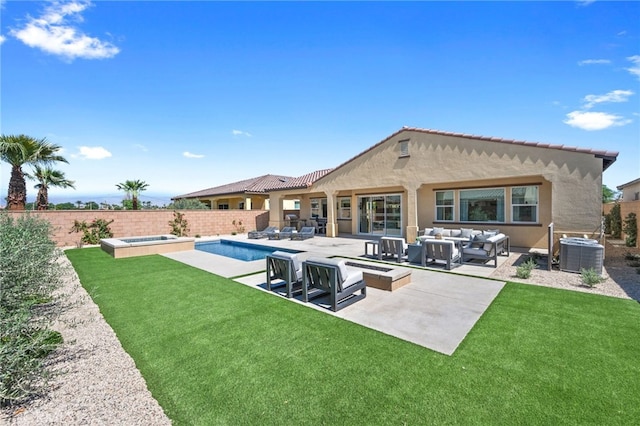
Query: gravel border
98	382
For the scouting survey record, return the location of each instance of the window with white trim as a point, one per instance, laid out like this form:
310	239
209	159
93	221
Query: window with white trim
445	205
344	208
524	204
482	205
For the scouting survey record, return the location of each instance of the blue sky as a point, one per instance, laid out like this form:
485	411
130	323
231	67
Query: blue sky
191	95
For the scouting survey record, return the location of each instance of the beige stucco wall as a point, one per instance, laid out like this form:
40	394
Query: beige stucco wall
570	191
629	192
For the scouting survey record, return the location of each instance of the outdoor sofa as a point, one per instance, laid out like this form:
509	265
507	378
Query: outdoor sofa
322	276
286	267
485	247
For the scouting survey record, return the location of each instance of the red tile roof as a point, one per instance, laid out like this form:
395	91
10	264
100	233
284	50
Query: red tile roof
256	185
303	181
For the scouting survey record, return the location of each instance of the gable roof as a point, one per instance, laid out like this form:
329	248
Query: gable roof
256	185
301	182
608	157
624	185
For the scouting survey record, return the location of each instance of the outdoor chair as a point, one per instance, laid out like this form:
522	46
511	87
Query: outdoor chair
392	247
286	267
434	251
321	276
284	234
261	234
304	233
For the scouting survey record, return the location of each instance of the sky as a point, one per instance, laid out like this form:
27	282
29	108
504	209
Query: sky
190	95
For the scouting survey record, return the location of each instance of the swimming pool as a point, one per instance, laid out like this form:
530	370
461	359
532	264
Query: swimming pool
238	250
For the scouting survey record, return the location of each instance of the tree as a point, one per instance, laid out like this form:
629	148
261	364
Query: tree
132	188
47	178
608	194
188	204
21	150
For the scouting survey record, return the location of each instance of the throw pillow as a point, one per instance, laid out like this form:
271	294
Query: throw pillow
465	232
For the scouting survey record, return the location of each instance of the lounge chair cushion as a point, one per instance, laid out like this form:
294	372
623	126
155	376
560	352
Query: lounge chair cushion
292	256
346	275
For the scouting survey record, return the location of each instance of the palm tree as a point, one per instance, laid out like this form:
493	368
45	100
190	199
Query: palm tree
133	188
18	151
47	178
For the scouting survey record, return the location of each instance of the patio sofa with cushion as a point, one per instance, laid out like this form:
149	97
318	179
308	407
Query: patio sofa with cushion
287	267
459	234
486	247
436	251
262	234
322	276
392	247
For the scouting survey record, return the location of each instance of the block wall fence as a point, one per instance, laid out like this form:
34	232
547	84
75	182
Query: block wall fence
127	223
626	207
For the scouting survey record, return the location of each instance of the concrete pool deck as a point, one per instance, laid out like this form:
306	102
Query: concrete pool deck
437	309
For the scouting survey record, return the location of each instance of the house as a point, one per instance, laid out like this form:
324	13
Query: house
630	190
248	194
419	178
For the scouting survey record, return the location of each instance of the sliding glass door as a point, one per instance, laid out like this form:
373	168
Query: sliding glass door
380	215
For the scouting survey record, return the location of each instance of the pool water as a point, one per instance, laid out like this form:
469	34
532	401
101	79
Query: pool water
238	250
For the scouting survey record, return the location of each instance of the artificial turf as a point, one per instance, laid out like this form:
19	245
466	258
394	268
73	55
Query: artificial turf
214	351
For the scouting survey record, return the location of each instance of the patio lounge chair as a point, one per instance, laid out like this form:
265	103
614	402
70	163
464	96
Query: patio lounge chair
440	250
304	233
286	267
392	247
261	234
486	249
322	276
285	233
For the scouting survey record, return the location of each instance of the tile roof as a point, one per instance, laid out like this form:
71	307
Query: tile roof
256	185
609	157
624	185
301	182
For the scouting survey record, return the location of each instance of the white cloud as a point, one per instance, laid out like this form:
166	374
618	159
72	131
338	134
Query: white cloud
589	120
92	153
240	133
614	96
2	39
594	62
141	147
53	33
635	69
190	155
585	2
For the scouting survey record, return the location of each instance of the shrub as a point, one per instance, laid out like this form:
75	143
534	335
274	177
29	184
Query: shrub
631	229
179	225
94	232
524	270
188	204
238	227
614	220
590	277
29	274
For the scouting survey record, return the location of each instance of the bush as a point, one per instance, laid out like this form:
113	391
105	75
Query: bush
631	229
179	225
524	270
590	277
614	222
188	204
94	232
29	275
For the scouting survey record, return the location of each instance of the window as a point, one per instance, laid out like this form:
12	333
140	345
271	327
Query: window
241	205
344	208
404	148
316	207
444	205
524	204
224	206
482	205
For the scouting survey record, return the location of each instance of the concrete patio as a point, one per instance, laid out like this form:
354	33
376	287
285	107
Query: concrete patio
437	309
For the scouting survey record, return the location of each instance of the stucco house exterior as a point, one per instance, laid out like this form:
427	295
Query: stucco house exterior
630	190
419	178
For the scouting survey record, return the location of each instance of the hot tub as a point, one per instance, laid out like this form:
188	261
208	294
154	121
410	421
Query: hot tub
142	246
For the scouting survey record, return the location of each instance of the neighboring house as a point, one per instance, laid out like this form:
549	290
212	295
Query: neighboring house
630	190
419	178
248	194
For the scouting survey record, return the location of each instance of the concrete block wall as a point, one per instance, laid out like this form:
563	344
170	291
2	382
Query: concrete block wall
128	223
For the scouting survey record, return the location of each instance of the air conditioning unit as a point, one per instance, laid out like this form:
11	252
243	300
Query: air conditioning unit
577	254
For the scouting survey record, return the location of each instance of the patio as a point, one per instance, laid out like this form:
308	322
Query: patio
435	310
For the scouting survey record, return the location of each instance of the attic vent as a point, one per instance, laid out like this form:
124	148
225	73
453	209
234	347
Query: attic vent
404	148
282	179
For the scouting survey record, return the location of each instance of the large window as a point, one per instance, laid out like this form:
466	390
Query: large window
444	205
482	205
524	204
344	208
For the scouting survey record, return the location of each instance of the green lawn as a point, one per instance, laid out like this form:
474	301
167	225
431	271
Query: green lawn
217	352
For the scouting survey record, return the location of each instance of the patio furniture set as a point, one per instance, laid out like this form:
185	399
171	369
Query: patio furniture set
316	277
440	246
